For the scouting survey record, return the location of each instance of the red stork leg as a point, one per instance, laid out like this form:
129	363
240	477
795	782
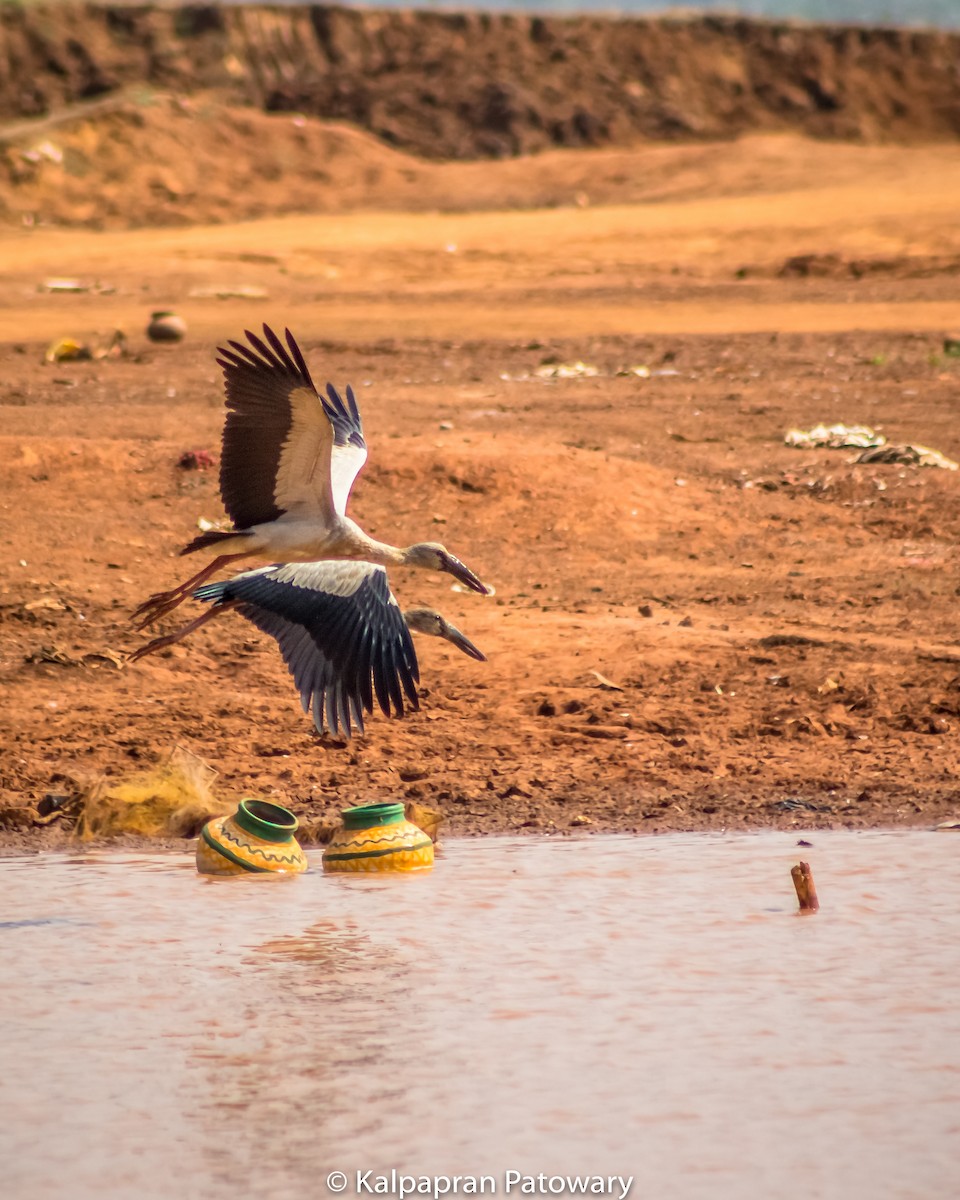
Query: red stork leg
160	603
160	643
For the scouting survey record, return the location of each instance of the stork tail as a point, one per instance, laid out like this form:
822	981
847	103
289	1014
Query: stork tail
211	537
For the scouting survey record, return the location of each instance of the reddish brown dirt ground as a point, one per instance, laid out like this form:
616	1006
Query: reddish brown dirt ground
780	623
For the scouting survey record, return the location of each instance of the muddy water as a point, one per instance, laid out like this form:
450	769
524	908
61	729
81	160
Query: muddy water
614	1006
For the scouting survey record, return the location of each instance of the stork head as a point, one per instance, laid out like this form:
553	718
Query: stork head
431	556
428	620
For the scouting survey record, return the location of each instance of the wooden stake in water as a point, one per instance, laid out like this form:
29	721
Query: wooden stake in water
806	889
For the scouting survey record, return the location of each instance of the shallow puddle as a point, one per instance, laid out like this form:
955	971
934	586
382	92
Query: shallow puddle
615	1006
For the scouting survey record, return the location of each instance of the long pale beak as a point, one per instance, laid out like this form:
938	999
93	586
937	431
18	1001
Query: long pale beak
461	641
462	572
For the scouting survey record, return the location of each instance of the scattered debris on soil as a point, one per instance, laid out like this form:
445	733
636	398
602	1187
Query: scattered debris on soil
577	370
196	460
834	437
909	456
68	349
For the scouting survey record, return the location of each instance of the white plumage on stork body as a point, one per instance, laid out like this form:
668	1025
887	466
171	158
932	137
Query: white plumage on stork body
289	459
340	631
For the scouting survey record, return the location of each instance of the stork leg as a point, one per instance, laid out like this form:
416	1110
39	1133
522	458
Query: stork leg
160	603
170	639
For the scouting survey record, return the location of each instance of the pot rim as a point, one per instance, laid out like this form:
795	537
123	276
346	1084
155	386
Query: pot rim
265	820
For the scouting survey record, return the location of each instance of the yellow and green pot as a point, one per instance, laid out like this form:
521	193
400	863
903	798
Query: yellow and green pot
377	837
257	838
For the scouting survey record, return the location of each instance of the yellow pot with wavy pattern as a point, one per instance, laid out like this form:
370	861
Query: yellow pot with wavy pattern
257	838
377	837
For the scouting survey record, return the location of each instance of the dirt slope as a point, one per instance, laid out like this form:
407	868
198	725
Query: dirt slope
163	160
467	85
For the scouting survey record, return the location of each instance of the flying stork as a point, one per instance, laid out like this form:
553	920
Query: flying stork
289	459
340	631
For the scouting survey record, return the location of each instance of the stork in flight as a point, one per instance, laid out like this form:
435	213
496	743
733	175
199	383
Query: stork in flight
289	459
340	631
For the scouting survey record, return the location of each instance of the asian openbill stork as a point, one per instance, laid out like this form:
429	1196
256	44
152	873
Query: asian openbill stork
289	459
340	631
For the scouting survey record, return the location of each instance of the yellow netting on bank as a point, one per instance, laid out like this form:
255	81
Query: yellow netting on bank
174	800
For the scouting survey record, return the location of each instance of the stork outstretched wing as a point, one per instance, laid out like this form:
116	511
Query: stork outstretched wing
341	634
286	448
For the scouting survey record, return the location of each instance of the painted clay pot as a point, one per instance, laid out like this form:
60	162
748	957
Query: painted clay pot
377	837
258	837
